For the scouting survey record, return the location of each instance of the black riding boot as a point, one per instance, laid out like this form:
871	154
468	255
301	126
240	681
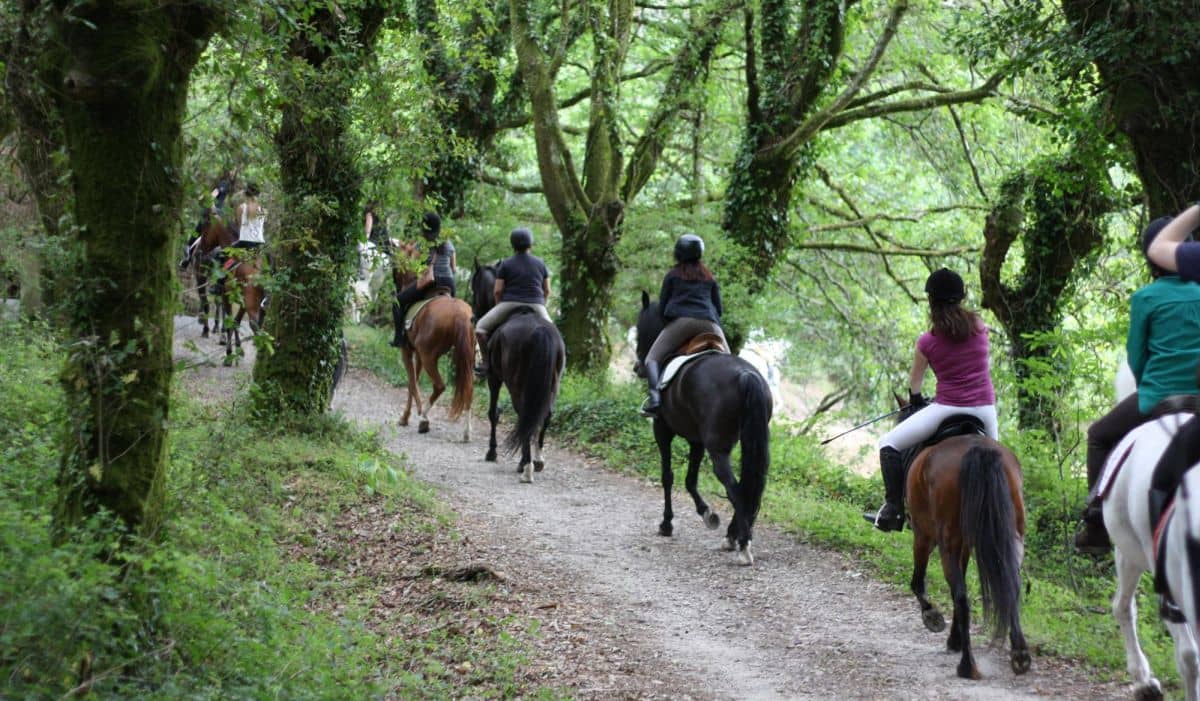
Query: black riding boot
650	406
1093	537
398	339
890	516
482	368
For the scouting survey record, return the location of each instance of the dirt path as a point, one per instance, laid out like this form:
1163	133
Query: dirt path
684	619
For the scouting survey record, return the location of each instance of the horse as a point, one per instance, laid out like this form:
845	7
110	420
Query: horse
964	495
214	234
527	355
714	401
442	325
483	288
1125	498
200	265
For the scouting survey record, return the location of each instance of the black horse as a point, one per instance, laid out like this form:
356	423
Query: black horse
483	289
527	355
713	402
201	266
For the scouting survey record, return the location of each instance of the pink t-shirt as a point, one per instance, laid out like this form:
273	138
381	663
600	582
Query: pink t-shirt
961	369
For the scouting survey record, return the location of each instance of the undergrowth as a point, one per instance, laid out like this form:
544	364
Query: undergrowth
235	598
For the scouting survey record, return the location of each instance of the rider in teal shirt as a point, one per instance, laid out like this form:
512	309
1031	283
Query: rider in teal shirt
1164	363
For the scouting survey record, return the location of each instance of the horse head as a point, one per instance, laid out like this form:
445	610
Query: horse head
649	324
483	288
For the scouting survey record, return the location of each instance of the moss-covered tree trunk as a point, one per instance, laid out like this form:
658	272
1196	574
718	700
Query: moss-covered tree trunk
588	205
315	250
1152	85
124	72
1054	211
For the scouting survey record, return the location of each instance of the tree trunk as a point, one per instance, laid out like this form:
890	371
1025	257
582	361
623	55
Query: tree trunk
1153	88
124	76
1055	211
315	251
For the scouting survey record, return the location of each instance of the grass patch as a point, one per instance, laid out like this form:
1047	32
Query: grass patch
265	582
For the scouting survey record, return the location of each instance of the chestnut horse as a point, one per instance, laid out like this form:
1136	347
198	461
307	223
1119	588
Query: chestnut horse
964	496
442	325
215	233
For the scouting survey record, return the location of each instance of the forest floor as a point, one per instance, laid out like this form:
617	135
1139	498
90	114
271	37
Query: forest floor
627	614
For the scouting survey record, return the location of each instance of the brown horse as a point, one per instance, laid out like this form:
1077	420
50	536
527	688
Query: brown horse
964	495
442	325
215	233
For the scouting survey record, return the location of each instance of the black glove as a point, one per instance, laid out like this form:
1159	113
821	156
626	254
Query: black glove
917	400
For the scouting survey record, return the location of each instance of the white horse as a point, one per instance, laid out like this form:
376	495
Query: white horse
1126	516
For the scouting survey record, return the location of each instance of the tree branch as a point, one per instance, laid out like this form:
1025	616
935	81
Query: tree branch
515	188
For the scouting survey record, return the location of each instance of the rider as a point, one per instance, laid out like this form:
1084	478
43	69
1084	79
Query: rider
522	280
1163	347
250	217
442	263
690	304
956	348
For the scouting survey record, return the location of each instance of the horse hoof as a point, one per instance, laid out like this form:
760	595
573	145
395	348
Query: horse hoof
403	422
491	456
712	520
746	556
520	469
934	621
665	529
728	545
526	478
968	671
204	333
423	427
1150	691
1020	661
538	465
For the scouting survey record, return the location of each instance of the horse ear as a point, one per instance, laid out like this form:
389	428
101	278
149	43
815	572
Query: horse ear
476	263
645	299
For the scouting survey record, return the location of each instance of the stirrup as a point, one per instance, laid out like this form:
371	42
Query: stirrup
885	523
650	412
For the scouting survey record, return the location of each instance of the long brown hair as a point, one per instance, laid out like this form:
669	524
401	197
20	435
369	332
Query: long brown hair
693	271
953	321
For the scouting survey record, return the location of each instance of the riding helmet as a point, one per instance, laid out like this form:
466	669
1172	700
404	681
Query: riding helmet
945	286
251	189
1153	229
431	226
521	239
689	248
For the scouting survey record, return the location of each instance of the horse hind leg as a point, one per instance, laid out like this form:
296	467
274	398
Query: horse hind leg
954	565
526	466
493	417
695	456
431	369
663	437
1018	657
737	536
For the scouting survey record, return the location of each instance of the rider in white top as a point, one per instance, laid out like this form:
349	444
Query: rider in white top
251	217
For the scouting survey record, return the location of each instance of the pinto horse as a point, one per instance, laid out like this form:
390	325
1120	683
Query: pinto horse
442	325
964	496
1125	487
526	354
214	234
714	402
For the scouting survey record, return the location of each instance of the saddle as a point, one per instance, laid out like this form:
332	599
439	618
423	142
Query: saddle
698	345
418	305
951	426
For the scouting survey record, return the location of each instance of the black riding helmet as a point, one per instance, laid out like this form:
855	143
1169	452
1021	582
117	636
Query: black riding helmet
689	248
431	226
251	189
521	239
945	286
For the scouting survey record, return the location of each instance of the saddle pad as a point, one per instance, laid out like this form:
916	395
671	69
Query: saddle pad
676	363
418	305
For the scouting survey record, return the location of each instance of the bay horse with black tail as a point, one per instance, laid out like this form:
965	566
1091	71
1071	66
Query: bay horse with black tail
527	355
964	495
214	234
442	325
200	265
714	402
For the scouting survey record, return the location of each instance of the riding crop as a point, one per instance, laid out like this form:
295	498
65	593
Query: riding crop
865	423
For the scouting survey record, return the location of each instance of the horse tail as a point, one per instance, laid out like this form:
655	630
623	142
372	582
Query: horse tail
464	364
755	439
537	369
989	527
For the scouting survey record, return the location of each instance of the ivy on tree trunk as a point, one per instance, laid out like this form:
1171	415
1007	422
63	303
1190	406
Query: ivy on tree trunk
315	250
122	73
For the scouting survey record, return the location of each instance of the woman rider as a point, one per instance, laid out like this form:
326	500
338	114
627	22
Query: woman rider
956	348
251	218
522	280
1163	347
443	263
690	304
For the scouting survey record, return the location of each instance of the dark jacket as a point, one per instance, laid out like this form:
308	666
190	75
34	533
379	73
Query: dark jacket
694	299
